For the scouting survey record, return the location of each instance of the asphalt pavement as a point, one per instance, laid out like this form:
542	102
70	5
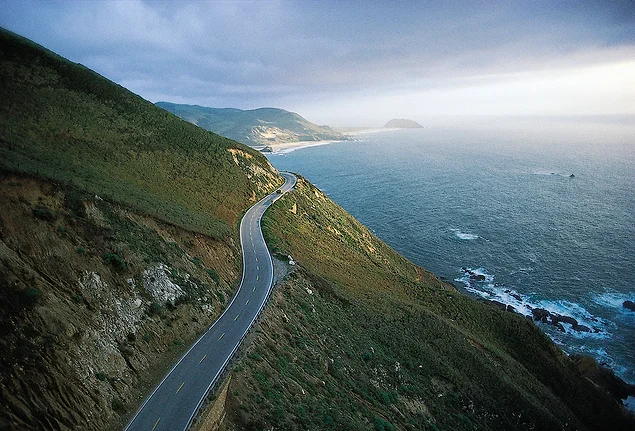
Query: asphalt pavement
175	401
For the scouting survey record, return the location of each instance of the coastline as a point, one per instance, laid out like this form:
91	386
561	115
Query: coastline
287	147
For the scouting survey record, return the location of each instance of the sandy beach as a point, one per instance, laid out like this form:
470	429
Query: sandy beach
287	147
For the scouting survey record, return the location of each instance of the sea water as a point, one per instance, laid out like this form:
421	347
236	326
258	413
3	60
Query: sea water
544	210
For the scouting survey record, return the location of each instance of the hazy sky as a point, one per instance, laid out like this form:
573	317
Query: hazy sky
353	62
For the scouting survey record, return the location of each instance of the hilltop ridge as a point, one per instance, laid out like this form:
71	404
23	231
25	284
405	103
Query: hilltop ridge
256	127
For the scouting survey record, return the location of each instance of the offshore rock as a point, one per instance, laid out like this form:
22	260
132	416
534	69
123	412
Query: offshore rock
557	318
629	305
540	314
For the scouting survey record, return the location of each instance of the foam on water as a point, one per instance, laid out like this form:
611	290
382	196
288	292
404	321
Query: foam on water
521	271
479	282
465	236
615	300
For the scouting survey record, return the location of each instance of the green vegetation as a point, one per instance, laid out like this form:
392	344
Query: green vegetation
213	275
253	127
44	213
357	337
61	121
115	260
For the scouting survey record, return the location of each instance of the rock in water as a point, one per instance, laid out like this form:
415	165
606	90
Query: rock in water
402	123
629	304
541	314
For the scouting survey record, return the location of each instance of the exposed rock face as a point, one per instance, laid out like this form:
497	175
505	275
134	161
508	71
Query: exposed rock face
541	315
402	123
603	377
159	285
81	333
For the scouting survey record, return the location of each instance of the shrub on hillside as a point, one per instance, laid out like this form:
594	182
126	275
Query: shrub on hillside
115	260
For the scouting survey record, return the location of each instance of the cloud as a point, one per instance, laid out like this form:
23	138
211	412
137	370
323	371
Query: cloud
307	55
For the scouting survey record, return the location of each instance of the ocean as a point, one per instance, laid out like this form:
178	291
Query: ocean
534	213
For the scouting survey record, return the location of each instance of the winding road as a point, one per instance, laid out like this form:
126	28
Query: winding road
175	401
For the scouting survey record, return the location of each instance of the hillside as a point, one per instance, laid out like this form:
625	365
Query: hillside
61	121
118	248
401	123
357	337
257	127
98	303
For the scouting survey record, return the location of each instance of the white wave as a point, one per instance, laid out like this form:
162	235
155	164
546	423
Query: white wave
575	310
521	270
479	282
612	299
481	273
465	236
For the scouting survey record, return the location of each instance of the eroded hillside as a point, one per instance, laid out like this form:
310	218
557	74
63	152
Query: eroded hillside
98	301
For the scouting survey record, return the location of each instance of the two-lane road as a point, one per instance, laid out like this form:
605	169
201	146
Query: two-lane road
176	400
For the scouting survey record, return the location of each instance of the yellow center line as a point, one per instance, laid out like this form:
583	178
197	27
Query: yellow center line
247	302
219	338
202	359
177	391
155	424
236	318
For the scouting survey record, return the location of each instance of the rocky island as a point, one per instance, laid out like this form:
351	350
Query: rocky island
402	123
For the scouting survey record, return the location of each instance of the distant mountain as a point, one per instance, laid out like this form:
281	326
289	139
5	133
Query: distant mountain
401	123
256	127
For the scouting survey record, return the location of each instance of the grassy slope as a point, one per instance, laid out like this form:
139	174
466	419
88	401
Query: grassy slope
238	124
62	121
358	338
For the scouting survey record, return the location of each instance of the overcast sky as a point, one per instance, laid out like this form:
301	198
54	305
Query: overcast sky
356	63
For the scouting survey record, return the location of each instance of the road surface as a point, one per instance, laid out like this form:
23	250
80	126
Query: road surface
173	404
